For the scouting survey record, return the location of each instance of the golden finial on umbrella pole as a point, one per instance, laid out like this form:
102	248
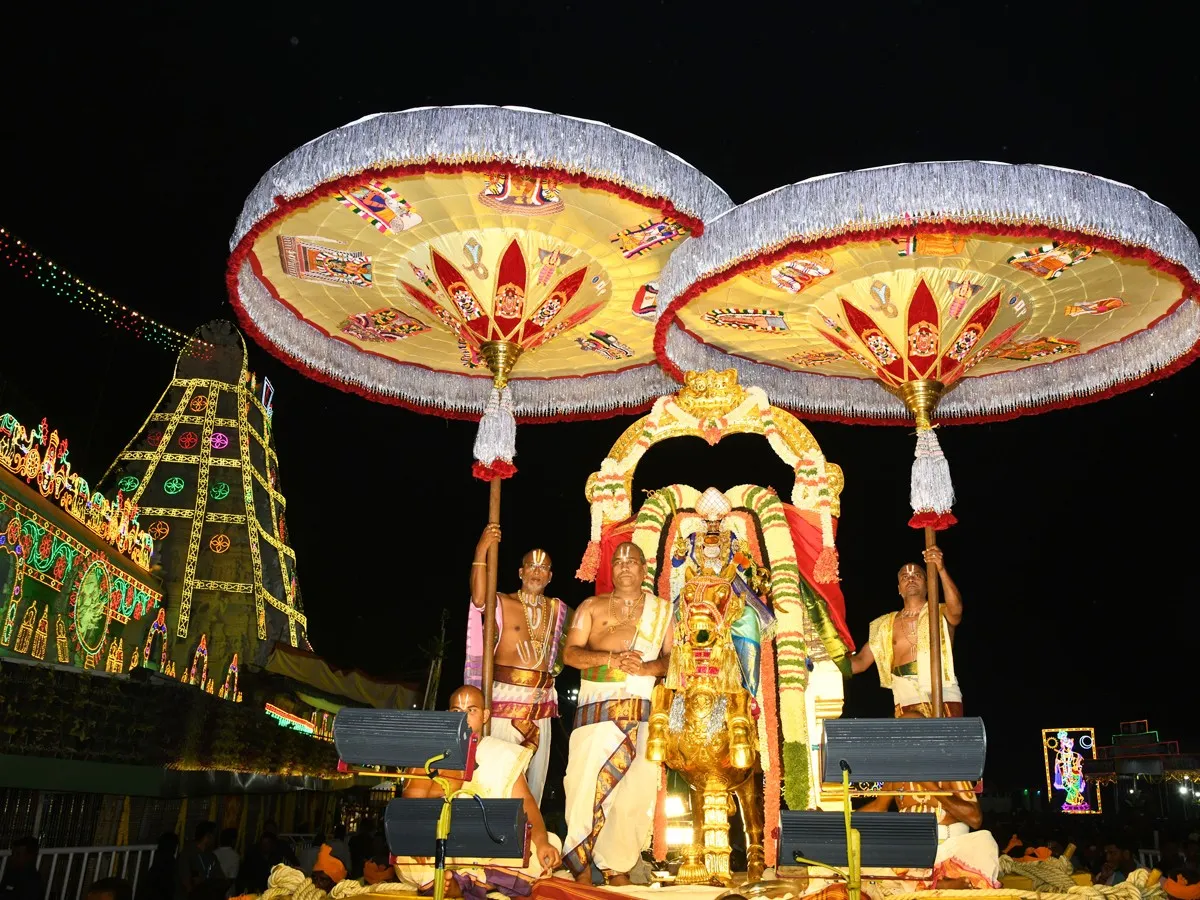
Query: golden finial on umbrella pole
931	493
921	397
500	357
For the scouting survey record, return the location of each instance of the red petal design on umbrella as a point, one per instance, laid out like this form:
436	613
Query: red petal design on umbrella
967	339
508	303
923	330
887	359
443	315
461	295
564	292
993	345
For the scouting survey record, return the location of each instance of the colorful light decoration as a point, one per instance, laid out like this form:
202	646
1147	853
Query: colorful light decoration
1064	752
159	627
192	403
199	658
287	720
52	557
48	274
229	690
40	457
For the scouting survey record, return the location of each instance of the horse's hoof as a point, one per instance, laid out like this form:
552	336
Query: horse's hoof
755	864
656	751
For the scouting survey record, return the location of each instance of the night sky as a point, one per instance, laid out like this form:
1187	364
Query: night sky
131	140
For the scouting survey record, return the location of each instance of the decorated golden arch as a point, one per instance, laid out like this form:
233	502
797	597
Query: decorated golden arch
805	656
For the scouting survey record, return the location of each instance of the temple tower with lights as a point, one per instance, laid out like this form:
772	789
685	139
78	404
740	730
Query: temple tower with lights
205	475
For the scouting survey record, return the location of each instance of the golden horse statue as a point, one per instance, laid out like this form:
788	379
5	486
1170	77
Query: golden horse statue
702	727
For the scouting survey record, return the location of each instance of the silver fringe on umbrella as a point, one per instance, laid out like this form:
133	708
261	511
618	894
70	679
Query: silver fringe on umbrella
936	192
459	134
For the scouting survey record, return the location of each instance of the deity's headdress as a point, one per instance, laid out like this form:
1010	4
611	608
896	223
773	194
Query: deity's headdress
713	505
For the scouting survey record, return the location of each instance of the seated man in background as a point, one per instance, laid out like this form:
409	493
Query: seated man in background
965	858
328	870
110	889
499	774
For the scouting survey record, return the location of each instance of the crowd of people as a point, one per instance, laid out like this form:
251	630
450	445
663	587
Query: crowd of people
1109	854
209	867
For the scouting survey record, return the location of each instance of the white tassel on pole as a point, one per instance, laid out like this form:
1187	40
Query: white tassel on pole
497	435
932	491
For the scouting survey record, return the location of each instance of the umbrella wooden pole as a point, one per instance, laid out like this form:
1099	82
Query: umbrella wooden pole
489	600
932	584
921	398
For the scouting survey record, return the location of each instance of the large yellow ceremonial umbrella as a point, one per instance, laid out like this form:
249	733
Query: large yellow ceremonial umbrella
470	262
983	290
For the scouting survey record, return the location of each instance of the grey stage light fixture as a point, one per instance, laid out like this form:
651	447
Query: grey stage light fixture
887	750
903	749
897	840
405	739
482	828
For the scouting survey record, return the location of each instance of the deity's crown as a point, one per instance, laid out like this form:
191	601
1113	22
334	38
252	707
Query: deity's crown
713	505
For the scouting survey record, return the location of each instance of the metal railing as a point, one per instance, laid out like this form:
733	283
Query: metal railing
67	872
297	841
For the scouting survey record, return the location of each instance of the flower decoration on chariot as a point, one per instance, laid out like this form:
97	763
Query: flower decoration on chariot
513	315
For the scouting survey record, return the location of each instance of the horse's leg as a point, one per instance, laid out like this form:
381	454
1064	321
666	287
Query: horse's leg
660	719
750	799
697	796
742	734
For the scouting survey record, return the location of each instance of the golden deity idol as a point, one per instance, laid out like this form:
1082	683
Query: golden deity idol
702	727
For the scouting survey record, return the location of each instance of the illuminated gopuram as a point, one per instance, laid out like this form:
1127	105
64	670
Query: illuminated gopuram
205	475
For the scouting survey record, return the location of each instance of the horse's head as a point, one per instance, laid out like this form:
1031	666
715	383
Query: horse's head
708	609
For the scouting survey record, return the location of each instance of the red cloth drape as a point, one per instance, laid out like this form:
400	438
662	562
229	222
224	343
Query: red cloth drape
806	535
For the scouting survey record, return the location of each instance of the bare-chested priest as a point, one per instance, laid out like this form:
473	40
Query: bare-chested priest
621	642
499	773
899	643
530	630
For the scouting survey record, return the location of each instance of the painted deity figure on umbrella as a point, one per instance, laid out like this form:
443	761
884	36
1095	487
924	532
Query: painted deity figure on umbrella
530	631
621	642
499	774
899	643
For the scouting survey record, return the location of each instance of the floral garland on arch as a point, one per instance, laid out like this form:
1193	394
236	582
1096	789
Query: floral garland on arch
711	405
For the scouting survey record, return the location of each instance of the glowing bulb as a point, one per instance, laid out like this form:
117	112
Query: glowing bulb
675	806
679	836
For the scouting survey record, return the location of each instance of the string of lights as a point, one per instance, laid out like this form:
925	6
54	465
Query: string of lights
28	263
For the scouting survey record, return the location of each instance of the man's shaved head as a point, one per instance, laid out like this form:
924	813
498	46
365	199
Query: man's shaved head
468	699
629	550
468	693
